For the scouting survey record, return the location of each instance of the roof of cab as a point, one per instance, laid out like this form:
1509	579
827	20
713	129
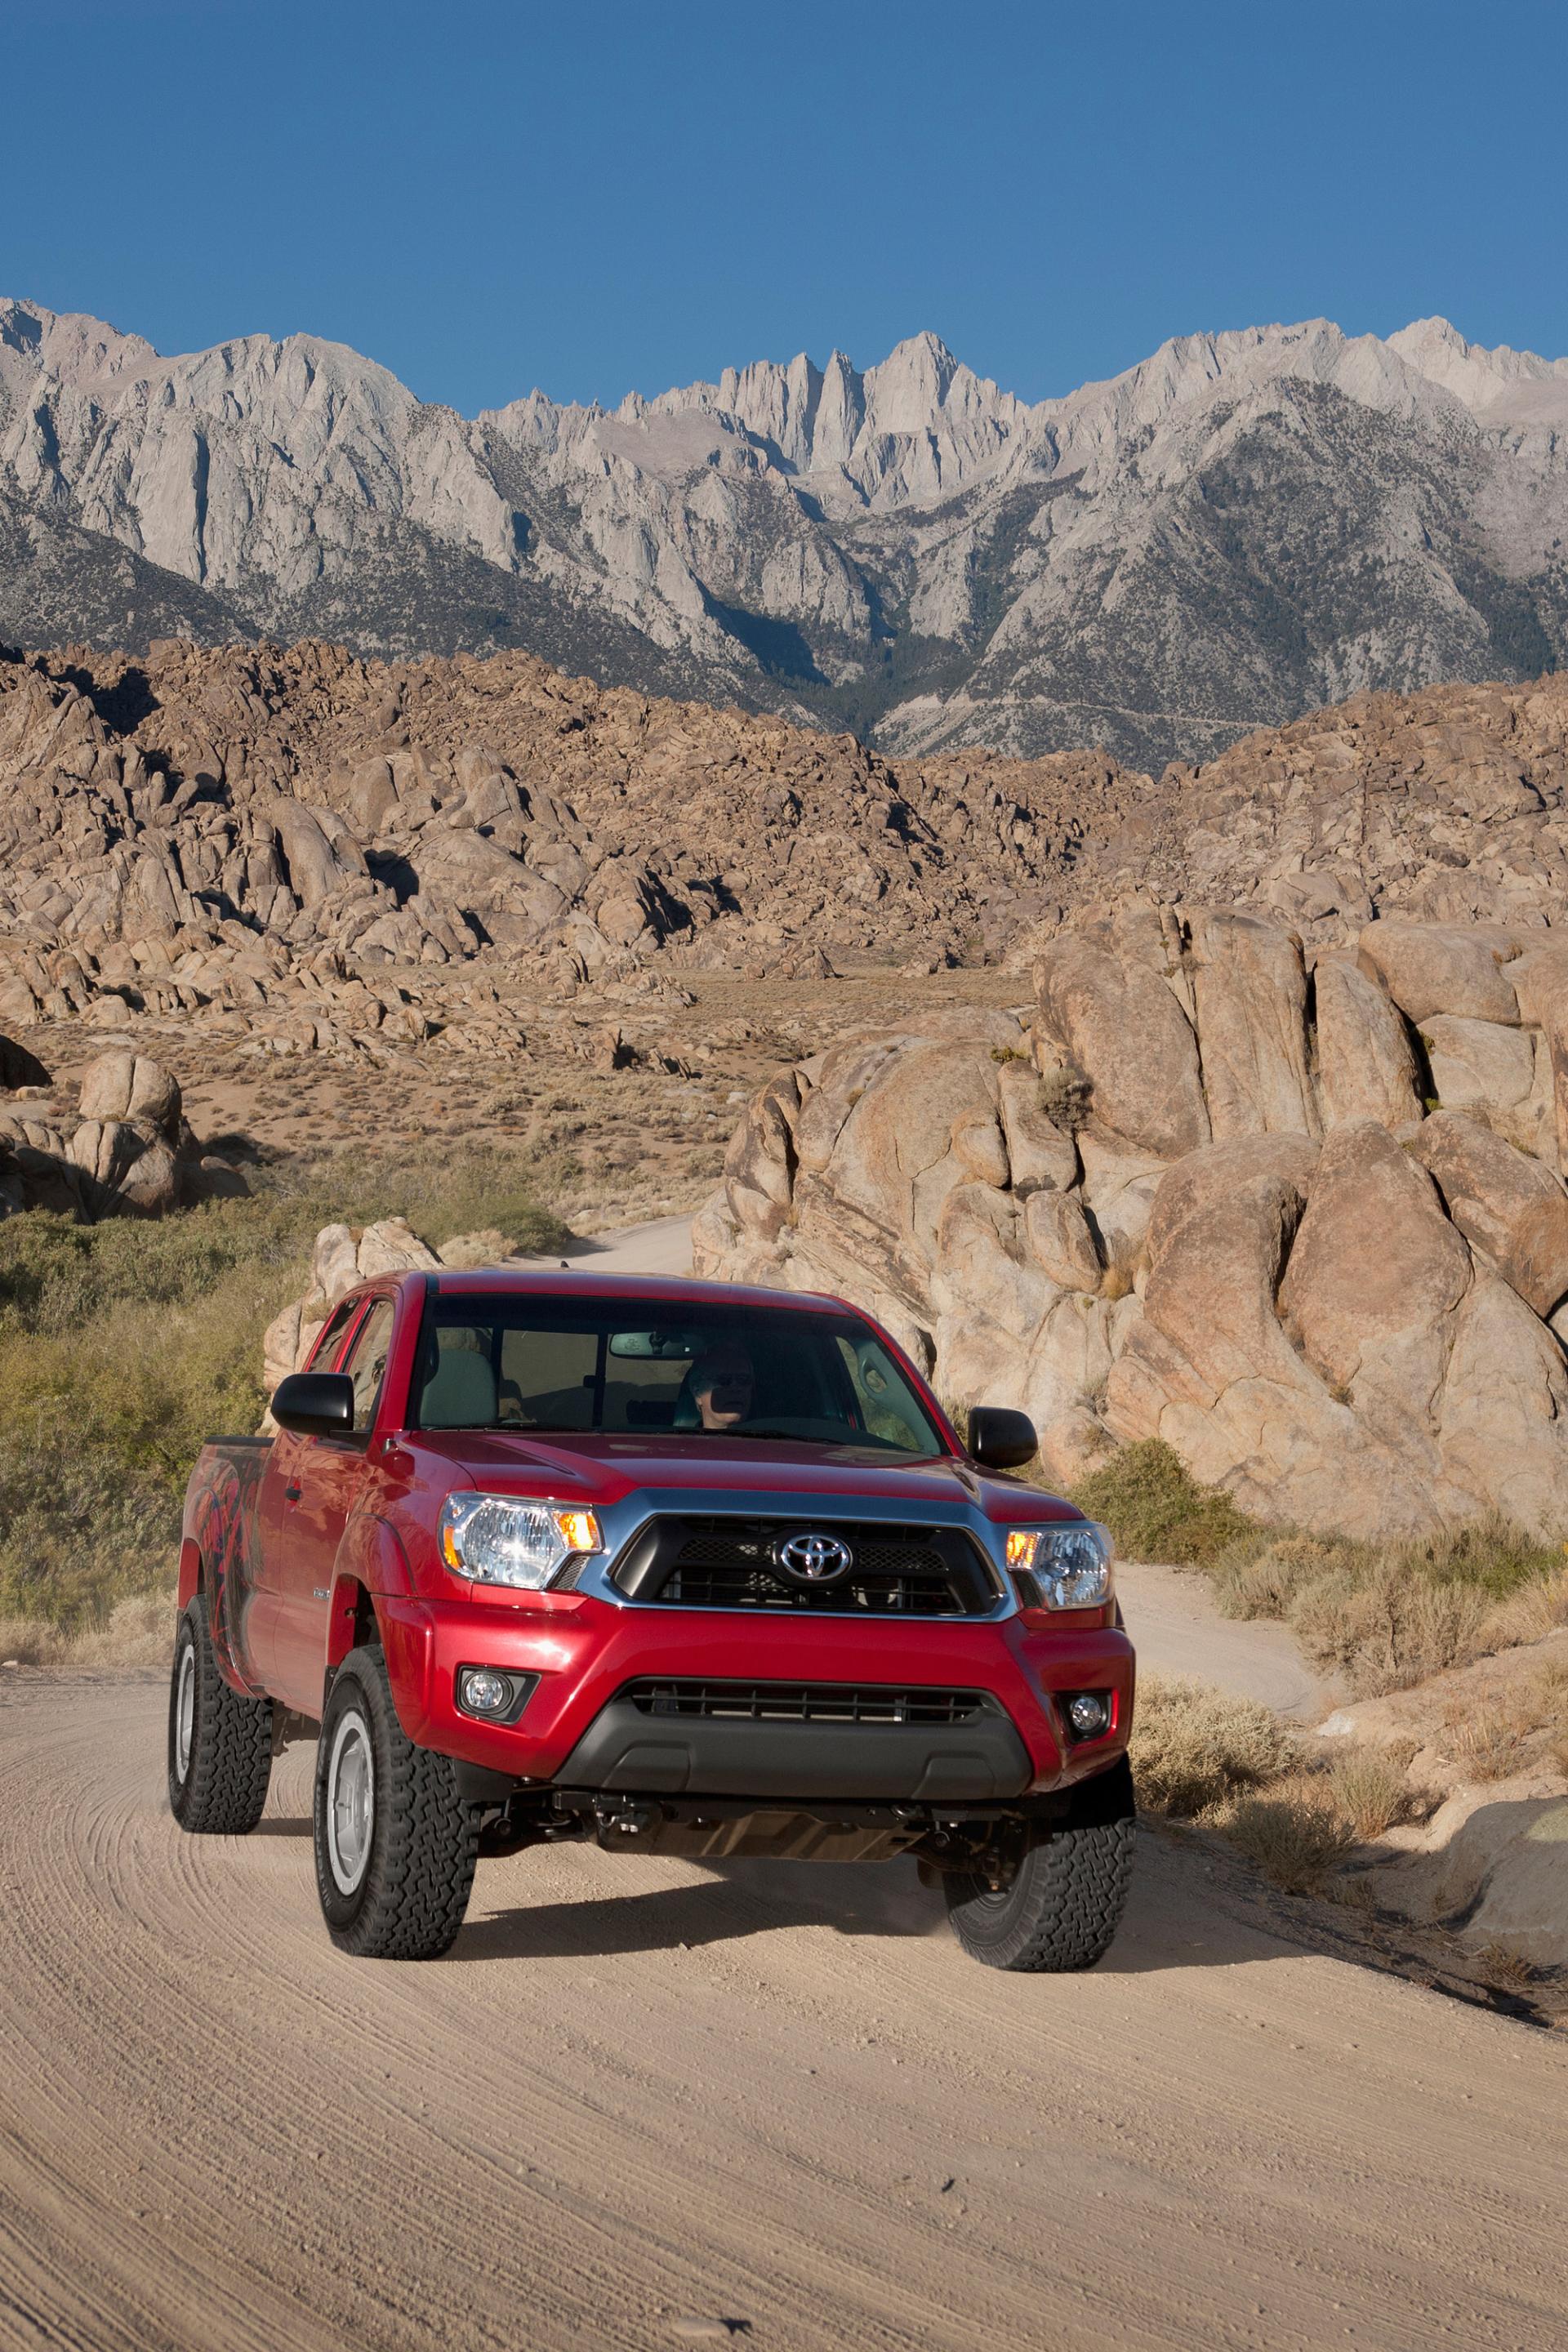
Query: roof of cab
539	1282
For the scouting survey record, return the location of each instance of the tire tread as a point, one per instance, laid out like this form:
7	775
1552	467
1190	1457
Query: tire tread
421	1871
1066	1904
224	1791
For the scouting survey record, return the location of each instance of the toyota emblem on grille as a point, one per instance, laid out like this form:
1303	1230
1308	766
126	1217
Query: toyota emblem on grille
814	1559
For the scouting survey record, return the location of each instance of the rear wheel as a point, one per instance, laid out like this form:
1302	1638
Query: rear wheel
1061	1899
220	1744
395	1844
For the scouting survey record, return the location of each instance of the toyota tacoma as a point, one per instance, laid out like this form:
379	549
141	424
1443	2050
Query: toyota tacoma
677	1567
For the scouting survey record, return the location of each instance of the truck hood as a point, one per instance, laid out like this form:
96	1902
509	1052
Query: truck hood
604	1469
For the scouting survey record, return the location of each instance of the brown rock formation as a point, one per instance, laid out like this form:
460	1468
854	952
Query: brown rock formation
1335	1307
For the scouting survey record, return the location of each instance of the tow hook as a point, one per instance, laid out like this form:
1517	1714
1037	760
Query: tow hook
620	1820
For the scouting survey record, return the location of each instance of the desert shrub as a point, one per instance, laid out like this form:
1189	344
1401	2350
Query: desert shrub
1385	1627
1156	1510
1195	1747
1490	1555
1531	1611
440	1195
1065	1095
1296	1836
1253	1583
1489	1746
1371	1786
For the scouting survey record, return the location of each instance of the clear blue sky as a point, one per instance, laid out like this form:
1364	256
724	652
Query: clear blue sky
595	198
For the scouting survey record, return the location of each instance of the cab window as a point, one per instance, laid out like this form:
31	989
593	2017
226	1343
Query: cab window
329	1340
366	1366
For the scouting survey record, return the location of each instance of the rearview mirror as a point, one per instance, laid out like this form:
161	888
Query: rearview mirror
315	1405
667	1346
1001	1439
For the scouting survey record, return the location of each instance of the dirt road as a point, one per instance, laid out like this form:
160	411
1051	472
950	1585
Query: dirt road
641	2096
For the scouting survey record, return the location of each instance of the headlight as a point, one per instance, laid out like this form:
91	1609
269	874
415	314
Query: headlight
1070	1568
496	1539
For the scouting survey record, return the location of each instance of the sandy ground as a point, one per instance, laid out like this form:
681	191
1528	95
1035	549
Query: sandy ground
643	2100
1173	1619
661	1246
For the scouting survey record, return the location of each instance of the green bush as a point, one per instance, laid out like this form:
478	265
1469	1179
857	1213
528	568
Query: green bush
1156	1510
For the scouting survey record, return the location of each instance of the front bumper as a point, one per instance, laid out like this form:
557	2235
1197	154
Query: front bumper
578	1730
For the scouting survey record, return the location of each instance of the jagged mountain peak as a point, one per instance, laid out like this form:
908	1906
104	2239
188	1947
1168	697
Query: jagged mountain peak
1248	522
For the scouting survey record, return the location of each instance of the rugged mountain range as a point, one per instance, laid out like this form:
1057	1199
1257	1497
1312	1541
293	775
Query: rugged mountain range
1244	527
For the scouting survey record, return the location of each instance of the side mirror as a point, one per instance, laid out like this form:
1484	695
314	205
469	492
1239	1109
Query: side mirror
315	1405
1001	1439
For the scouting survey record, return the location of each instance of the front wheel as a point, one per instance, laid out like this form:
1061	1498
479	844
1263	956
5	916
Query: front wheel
1062	1899
220	1744
395	1844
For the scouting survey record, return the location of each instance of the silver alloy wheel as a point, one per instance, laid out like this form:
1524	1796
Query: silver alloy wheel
350	1801
185	1712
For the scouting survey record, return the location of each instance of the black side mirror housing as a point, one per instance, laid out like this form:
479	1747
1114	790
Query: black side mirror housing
315	1405
1001	1439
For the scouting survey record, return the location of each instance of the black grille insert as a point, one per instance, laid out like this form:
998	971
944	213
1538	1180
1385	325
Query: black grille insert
720	1562
871	1702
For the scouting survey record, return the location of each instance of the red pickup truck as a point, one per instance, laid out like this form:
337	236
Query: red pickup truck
678	1567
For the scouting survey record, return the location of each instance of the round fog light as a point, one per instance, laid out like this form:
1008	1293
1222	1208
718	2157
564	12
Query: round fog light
481	1691
1088	1714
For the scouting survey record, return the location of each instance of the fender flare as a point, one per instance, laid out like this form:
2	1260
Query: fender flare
371	1566
190	1572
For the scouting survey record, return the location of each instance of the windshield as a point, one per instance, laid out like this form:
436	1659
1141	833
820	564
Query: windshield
723	1373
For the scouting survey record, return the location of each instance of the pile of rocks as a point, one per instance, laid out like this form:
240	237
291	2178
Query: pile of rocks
311	851
130	1152
346	1254
273	837
1300	1214
1443	807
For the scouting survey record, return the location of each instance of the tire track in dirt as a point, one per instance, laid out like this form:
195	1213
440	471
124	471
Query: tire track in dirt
640	2089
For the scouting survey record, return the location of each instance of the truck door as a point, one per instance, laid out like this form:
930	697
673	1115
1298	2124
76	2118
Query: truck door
274	1509
317	1494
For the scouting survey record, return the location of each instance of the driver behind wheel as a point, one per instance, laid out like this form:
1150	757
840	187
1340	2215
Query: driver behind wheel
719	1389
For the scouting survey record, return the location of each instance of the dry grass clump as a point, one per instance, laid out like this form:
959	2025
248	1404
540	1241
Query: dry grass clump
1156	1510
1531	1736
1530	1612
1295	1834
138	1632
1506	1968
1388	1616
1388	1627
1370	1787
1195	1748
1250	1581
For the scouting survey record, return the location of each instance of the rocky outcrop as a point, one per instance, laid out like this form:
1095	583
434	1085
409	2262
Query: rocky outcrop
311	851
346	1254
1238	1234
130	1153
1244	498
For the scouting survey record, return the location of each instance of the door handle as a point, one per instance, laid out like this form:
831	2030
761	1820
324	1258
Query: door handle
291	1494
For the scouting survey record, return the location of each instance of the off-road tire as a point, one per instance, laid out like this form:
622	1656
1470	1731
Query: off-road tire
225	1744
423	1840
1065	1899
